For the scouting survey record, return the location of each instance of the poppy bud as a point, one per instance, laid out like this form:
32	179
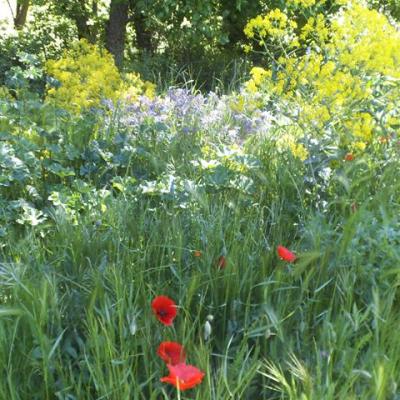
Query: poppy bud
221	262
349	157
207	330
133	325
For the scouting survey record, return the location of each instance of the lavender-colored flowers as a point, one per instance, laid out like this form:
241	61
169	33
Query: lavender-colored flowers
181	111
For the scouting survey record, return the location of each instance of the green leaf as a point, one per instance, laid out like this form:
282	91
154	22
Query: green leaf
10	311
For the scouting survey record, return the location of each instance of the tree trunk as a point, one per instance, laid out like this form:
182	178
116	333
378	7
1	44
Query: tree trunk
79	11
21	14
116	29
143	36
81	17
83	28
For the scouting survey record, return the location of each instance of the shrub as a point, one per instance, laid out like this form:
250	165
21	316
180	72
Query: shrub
338	74
86	75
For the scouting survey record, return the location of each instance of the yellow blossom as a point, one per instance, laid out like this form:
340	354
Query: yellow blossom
87	75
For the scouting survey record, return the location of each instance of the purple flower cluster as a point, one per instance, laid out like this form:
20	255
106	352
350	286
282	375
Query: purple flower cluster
182	111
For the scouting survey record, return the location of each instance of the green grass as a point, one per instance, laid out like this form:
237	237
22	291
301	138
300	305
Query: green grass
76	321
76	290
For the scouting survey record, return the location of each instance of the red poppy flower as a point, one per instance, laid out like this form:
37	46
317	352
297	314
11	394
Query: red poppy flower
286	254
221	262
349	157
172	353
165	309
183	376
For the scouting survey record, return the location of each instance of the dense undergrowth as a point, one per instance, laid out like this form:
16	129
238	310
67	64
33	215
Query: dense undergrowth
107	203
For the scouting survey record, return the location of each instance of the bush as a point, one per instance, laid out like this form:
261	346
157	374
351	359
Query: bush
86	75
331	74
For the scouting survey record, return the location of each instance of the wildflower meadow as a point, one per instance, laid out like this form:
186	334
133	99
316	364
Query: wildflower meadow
200	201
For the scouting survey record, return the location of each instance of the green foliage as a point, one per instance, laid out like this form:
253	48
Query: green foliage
23	53
76	305
108	206
94	225
201	39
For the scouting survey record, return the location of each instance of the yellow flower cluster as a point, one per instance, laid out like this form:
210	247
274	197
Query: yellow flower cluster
274	26
366	39
316	28
298	151
349	60
361	126
132	87
328	93
87	75
288	142
258	75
